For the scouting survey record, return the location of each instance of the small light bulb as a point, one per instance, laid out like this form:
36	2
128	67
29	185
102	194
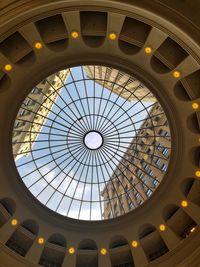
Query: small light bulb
112	36
134	243
197	173
8	67
14	222
195	105
40	240
38	45
74	35
71	250
162	227
176	74
103	251
148	50
184	203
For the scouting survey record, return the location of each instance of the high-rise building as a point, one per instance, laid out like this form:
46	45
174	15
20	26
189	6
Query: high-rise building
35	109
116	81
147	157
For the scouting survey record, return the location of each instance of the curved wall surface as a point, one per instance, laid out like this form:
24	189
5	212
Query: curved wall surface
33	235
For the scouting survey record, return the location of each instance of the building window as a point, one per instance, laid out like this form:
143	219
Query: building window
17	124
155	182
165	151
149	192
160	147
137	195
150	172
146	166
140	202
164	167
158	161
131	205
140	175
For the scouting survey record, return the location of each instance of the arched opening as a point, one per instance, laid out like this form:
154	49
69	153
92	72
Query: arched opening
7	209
30	226
133	36
23	237
47	27
179	221
87	244
54	251
151	242
87	255
163	61
93	27
120	252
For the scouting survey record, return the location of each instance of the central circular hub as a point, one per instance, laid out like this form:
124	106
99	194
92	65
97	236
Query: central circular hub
93	140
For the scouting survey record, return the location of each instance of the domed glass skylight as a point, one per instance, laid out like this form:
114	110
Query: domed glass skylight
91	142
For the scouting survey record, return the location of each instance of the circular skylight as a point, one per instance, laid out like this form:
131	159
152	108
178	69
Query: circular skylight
91	142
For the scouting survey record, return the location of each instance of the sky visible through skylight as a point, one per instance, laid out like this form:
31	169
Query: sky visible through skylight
70	181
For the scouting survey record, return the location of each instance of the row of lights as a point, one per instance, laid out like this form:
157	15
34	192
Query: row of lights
112	36
103	251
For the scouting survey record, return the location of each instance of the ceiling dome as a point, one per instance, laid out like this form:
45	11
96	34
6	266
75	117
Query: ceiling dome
99	133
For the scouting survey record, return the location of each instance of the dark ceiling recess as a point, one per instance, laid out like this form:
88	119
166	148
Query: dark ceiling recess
93	27
133	35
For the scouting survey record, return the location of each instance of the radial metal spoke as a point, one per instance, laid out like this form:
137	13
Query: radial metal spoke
68	106
50	110
83	108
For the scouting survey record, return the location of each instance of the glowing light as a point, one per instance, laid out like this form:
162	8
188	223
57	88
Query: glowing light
134	243
8	67
195	105
192	229
14	222
184	203
176	74
38	45
148	50
71	250
197	173
74	35
40	240
112	36
162	227
103	251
